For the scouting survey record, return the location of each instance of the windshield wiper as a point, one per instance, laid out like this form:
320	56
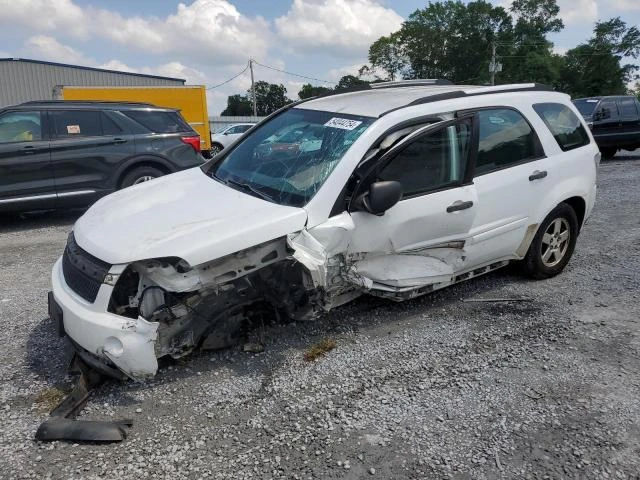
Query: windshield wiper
248	188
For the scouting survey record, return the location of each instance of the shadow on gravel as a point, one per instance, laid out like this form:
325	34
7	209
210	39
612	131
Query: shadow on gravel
18	222
47	354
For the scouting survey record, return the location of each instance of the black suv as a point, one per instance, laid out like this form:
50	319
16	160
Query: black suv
57	154
614	122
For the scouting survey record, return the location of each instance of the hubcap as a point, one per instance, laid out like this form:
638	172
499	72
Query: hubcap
555	242
145	178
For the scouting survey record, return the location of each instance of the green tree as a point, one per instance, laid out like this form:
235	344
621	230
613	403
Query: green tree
308	91
269	97
237	105
528	56
596	68
447	39
350	81
387	55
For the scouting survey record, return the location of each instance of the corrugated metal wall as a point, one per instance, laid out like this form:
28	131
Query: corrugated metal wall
22	81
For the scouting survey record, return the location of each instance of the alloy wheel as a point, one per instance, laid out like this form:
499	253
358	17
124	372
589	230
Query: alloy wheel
144	178
555	242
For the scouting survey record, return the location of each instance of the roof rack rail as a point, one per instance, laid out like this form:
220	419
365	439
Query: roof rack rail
469	91
419	82
81	102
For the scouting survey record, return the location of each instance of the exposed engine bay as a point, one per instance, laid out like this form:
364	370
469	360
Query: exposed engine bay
210	306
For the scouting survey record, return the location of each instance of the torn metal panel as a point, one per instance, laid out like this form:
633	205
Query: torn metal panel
403	271
177	277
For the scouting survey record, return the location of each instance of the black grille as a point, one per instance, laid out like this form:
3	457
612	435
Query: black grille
83	272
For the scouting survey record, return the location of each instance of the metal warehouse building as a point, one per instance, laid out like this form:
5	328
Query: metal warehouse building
22	80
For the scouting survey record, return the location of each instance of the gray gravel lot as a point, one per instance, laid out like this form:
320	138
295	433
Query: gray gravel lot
430	388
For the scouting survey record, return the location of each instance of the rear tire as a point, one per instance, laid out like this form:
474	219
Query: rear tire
553	244
140	175
608	152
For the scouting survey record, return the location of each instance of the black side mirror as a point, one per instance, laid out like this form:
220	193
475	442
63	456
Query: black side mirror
380	197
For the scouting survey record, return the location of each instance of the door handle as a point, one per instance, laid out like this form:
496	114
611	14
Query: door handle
537	175
119	140
459	205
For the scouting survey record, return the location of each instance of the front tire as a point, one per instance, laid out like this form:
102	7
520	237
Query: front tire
140	175
553	244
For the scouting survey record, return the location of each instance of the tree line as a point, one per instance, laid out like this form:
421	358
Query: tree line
456	41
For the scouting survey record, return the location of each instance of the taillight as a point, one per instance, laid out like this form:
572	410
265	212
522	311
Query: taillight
193	141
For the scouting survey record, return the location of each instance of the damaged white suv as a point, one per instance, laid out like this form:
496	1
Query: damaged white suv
413	186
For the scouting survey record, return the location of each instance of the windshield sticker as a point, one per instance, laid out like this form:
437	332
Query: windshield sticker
343	123
73	128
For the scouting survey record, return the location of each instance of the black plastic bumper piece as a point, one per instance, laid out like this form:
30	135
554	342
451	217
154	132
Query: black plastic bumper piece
61	425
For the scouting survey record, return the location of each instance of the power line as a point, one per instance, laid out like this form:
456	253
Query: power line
227	81
294	74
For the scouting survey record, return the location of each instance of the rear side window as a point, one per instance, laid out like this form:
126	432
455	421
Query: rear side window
563	124
159	122
506	139
75	123
628	109
109	127
20	127
607	110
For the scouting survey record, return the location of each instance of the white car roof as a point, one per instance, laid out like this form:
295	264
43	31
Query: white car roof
379	100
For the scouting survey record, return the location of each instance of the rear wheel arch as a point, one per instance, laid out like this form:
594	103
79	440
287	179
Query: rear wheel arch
579	206
140	162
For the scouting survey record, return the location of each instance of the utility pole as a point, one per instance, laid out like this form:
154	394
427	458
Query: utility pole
253	89
492	65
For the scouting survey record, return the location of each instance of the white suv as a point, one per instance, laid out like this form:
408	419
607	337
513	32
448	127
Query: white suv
226	136
412	188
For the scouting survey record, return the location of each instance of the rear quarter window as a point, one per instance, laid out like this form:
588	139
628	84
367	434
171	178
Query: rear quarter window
565	126
159	122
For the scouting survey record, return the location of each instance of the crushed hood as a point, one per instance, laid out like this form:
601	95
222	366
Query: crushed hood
187	215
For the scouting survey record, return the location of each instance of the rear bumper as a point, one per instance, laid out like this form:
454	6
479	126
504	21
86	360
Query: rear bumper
127	343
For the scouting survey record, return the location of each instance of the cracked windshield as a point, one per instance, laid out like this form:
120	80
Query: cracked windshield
288	159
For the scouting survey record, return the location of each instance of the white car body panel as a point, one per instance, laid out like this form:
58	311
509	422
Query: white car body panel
187	215
226	139
415	247
127	342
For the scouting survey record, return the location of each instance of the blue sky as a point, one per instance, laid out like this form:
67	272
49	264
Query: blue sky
208	41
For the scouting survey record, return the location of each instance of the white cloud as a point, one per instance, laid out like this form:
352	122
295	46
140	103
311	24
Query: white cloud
48	48
45	15
117	65
339	27
560	50
626	4
171	69
575	12
207	30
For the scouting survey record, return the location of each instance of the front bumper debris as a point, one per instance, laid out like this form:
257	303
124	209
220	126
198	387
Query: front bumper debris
62	425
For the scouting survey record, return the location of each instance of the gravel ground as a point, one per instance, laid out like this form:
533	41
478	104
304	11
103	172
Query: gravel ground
430	388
